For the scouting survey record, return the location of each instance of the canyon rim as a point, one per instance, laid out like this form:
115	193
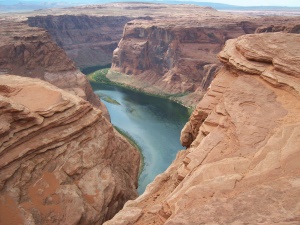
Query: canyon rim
62	162
241	165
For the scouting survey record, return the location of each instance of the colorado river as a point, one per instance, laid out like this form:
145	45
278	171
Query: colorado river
154	124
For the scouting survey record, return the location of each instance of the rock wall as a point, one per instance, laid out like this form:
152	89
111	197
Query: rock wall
30	52
172	54
288	28
170	57
178	56
90	33
61	161
87	40
241	165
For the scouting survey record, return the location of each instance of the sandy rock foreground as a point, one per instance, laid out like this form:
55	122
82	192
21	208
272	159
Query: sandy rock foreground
242	163
61	161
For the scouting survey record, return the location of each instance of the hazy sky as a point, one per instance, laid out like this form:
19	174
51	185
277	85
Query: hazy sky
256	2
230	2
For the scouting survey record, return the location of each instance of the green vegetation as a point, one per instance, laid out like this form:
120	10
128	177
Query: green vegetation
91	69
109	99
99	76
133	143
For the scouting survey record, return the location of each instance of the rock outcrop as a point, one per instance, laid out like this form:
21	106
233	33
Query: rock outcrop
241	165
172	54
89	34
287	28
87	40
30	52
176	56
61	161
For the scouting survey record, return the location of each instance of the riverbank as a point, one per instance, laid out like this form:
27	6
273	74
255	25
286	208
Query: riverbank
154	123
100	76
135	144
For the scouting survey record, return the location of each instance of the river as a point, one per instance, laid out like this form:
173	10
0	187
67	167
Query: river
154	123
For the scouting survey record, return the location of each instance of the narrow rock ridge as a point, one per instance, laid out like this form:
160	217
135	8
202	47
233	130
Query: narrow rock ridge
241	165
61	161
28	51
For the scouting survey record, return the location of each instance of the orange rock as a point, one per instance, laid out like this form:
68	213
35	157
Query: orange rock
30	52
61	161
242	161
87	40
177	54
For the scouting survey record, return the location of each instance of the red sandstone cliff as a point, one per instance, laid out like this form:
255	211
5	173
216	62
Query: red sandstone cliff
61	161
87	40
241	165
172	54
177	56
30	52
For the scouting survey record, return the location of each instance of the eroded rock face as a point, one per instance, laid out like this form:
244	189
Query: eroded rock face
28	51
241	165
87	40
172	54
178	55
288	28
61	161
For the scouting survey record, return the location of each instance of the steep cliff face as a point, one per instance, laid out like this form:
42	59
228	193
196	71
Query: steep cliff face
30	52
241	165
288	28
169	57
87	40
177	56
61	161
172	54
89	34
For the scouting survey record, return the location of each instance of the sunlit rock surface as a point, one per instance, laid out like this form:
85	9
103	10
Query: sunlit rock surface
170	50
241	165
28	51
61	161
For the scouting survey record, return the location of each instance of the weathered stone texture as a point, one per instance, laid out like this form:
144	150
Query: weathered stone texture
61	161
241	165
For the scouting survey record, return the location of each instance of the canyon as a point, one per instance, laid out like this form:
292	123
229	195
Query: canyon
30	52
61	159
241	165
173	55
62	162
176	56
87	40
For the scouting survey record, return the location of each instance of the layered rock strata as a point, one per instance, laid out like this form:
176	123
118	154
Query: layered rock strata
89	34
176	56
30	52
170	54
61	161
87	40
241	165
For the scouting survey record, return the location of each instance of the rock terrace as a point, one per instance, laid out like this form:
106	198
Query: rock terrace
242	159
61	160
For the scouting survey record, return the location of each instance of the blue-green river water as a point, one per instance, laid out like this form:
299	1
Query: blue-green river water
154	123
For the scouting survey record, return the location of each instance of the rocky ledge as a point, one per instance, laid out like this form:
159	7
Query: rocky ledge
61	161
177	56
171	54
241	165
29	51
